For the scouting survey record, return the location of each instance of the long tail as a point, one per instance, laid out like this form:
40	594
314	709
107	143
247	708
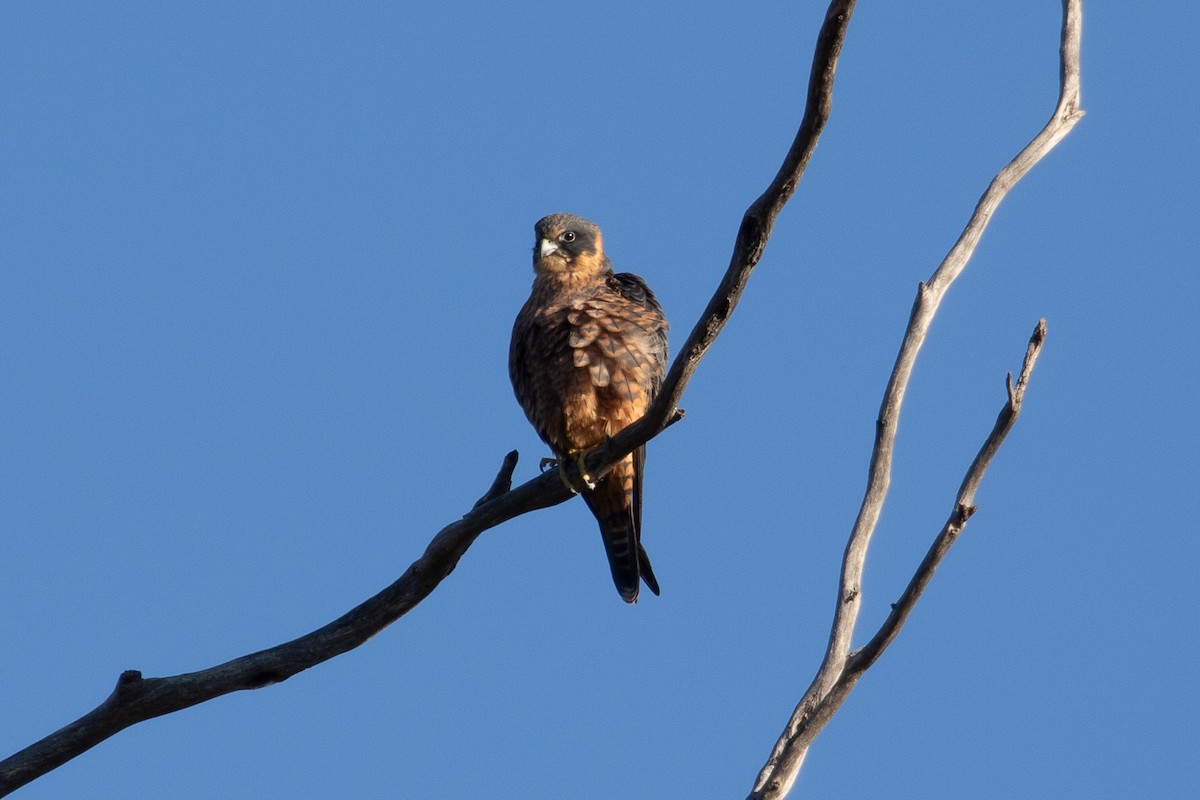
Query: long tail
616	504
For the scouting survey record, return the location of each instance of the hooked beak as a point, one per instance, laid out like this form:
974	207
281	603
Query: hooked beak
546	247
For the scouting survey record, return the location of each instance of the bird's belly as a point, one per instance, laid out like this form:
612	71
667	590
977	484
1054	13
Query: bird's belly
592	414
585	424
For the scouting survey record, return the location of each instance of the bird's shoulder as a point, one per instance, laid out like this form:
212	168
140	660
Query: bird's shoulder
633	289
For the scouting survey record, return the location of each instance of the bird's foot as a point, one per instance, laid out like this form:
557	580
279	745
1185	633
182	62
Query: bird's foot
554	463
580	457
564	470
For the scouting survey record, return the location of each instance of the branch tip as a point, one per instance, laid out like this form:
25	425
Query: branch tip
1039	332
503	480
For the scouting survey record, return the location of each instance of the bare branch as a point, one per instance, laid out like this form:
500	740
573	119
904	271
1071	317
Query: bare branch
863	658
136	698
503	481
748	248
834	679
858	662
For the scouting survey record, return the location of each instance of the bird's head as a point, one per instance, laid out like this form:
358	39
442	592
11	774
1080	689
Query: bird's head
568	246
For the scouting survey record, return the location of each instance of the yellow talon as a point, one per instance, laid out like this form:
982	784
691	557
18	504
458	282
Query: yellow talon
562	476
548	463
580	458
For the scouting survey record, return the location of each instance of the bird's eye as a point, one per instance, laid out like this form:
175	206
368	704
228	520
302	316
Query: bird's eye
569	236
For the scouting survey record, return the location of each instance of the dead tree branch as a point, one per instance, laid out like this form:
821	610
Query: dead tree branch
136	698
841	668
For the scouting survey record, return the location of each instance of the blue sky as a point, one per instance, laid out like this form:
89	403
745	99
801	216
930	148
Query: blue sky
258	268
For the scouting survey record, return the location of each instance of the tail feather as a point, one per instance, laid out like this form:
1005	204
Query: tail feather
647	572
615	504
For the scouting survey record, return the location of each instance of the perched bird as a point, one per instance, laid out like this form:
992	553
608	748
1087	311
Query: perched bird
588	352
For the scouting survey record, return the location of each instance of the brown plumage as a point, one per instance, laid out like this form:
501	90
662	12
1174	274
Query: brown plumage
587	357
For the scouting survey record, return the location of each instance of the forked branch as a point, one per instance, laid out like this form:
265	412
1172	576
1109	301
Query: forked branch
840	669
964	507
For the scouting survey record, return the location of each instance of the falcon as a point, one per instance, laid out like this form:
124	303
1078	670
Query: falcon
588	352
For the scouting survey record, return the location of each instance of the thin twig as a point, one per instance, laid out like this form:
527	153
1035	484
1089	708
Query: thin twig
503	481
136	698
833	679
864	657
858	662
